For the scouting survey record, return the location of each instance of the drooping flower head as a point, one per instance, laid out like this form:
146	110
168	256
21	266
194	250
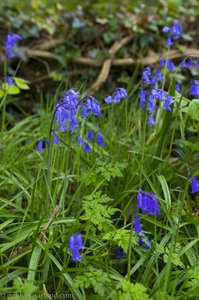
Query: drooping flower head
174	32
194	185
9	80
137	225
195	88
117	96
76	244
151	120
148	202
40	145
11	43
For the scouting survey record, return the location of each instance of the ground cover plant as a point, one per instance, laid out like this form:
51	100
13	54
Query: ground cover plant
99	193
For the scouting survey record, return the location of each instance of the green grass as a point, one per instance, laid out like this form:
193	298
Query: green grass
32	183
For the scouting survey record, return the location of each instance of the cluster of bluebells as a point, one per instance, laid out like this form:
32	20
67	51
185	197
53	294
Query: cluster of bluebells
151	77
10	49
75	245
194	185
68	111
66	116
174	32
147	203
117	96
189	63
151	93
11	44
148	100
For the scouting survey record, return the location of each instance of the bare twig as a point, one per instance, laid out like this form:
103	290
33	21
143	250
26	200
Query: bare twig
41	236
103	75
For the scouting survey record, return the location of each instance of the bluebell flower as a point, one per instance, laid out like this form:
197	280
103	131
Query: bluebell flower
170	65
76	244
100	140
143	99
146	75
84	111
55	139
183	64
9	80
144	240
195	88
166	29
79	140
162	62
62	126
178	87
41	145
90	136
151	104
151	121
117	96
69	99
159	94
120	254
137	225
11	43
197	64
93	106
109	99
66	110
158	75
169	41
148	202
190	63
194	185
87	148
168	102
174	32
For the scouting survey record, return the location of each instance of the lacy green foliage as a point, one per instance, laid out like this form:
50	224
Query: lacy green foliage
175	259
122	237
26	290
192	285
95	279
103	171
110	170
96	210
131	291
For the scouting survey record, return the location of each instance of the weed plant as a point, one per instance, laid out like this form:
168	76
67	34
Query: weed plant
116	219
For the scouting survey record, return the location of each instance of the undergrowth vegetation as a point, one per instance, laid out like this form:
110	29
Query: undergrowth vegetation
99	198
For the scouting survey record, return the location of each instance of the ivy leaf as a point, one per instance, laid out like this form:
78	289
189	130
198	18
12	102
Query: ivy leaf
193	110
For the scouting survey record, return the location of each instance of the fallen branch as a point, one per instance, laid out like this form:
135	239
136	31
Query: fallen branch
103	75
150	59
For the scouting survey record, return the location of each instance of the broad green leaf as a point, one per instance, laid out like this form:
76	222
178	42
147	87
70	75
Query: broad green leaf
21	83
193	110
